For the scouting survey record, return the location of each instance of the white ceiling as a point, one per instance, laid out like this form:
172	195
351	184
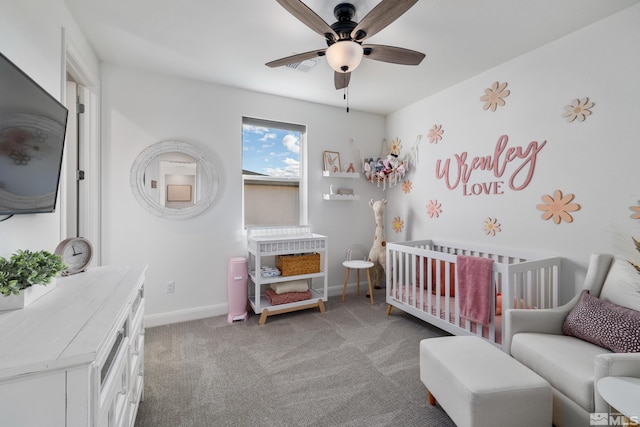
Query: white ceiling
228	42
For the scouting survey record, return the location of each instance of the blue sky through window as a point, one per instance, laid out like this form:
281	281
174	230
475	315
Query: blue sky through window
270	151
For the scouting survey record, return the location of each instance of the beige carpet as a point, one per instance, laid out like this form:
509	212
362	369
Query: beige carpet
351	366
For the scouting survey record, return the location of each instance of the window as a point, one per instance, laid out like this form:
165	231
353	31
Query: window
273	178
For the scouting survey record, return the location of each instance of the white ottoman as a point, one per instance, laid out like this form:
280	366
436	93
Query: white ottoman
479	385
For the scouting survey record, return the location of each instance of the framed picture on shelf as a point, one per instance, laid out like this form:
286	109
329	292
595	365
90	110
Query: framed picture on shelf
332	161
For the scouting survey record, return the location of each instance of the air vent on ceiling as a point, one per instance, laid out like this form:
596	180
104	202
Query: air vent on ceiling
305	65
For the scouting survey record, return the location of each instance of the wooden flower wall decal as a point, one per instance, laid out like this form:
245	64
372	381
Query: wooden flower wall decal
406	186
558	207
434	209
397	224
435	134
636	209
395	146
493	96
491	226
578	109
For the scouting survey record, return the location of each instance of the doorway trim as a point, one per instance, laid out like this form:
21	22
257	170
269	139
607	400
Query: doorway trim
90	221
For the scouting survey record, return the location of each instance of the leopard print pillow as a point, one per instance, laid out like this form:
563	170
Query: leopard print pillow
604	324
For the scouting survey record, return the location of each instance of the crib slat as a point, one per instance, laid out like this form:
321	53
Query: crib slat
419	268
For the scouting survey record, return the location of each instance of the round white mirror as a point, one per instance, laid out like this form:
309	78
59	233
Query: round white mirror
174	180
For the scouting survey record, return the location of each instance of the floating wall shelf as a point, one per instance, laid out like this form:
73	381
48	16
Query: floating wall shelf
340	197
329	174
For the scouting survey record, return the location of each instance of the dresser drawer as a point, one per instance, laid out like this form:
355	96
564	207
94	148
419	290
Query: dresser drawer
135	395
137	329
114	388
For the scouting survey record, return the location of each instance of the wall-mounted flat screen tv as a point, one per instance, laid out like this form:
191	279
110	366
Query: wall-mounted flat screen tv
32	132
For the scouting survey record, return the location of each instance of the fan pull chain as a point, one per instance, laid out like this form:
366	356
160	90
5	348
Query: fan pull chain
346	96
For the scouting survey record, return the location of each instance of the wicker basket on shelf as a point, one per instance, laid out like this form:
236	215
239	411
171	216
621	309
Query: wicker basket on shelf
293	265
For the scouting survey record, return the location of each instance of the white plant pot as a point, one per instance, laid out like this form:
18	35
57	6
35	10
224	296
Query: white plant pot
26	296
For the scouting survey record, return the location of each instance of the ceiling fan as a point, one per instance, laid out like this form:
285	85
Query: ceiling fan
344	37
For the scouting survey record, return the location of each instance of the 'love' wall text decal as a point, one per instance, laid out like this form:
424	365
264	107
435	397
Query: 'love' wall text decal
459	170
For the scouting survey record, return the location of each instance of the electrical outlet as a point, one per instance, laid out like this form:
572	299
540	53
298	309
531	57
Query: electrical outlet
170	287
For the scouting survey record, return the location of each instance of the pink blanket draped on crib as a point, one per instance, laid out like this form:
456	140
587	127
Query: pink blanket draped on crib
474	288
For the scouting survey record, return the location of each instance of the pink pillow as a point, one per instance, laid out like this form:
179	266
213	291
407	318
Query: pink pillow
604	324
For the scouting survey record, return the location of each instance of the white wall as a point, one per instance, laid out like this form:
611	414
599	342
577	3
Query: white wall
140	109
31	37
597	160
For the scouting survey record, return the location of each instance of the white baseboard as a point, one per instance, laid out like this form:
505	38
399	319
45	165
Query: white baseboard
159	319
196	313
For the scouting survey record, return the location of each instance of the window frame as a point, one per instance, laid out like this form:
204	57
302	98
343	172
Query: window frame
302	181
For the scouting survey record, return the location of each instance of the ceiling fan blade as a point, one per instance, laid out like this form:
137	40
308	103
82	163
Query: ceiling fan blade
379	17
299	57
308	17
341	80
392	54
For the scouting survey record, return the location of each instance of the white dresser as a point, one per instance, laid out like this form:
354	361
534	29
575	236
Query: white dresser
75	357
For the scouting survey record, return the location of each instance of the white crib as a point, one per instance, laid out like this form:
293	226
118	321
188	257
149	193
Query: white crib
420	281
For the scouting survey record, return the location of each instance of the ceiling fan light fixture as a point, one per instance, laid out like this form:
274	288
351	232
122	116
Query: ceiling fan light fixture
344	56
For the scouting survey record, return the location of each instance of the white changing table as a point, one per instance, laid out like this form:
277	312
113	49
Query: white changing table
267	242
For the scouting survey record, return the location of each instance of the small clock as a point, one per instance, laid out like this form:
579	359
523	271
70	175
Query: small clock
76	252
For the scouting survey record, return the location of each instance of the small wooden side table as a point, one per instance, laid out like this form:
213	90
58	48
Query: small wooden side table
622	394
357	265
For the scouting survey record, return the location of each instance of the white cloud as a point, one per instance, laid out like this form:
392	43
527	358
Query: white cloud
290	170
292	162
255	129
292	143
268	136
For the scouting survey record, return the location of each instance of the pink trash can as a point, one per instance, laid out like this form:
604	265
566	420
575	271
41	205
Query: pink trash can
237	287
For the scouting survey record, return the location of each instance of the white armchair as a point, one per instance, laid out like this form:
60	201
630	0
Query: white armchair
571	365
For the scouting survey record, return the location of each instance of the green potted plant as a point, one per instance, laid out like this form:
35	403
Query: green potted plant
22	271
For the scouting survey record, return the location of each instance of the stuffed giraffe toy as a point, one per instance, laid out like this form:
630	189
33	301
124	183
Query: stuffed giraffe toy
378	252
